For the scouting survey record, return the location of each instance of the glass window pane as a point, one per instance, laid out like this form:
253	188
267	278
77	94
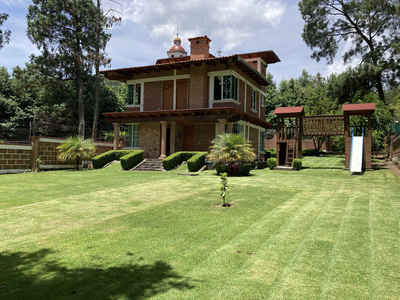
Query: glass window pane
130	94
217	87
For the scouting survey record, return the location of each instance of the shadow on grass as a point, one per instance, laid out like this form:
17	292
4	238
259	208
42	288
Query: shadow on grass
32	275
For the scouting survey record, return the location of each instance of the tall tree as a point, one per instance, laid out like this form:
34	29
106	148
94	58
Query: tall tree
108	19
372	27
64	30
4	35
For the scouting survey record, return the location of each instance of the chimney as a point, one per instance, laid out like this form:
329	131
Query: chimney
199	47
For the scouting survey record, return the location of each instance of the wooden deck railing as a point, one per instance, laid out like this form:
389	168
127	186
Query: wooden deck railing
323	125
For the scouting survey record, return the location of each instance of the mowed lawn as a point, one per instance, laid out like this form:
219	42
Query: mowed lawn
110	234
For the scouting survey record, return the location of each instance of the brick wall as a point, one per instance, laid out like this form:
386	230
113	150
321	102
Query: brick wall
203	135
15	158
199	48
130	108
198	87
149	139
153	93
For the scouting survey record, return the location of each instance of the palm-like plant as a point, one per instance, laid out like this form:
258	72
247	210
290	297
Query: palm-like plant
231	148
76	149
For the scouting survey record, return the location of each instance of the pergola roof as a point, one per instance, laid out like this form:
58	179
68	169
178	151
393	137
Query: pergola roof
359	108
178	63
201	115
289	111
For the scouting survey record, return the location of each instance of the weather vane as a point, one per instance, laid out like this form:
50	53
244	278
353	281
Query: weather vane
177	32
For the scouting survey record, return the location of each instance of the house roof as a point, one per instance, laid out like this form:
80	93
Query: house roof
167	64
359	108
200	115
289	111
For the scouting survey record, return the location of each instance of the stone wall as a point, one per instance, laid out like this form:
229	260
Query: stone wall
15	158
19	158
149	139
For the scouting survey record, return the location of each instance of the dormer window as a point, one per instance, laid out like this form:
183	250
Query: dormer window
133	97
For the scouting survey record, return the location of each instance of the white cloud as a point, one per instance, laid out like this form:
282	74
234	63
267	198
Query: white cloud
231	22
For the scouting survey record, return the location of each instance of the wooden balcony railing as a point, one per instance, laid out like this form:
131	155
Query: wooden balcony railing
323	125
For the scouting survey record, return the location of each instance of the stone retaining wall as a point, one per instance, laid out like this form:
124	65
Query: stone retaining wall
17	158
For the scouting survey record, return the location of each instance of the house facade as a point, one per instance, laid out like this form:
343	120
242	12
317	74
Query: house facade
182	102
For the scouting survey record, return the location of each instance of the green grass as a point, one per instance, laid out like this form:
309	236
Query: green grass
109	234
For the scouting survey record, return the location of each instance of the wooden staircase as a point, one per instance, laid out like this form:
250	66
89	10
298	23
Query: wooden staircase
290	153
150	165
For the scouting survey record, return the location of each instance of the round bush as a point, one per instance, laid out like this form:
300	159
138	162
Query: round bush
272	163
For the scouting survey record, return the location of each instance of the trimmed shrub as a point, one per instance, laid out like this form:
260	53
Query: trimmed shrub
101	160
234	170
297	164
273	152
132	159
196	161
262	164
245	169
221	168
175	159
272	162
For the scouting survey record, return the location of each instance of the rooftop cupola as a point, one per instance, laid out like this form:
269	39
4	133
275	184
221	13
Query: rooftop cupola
177	50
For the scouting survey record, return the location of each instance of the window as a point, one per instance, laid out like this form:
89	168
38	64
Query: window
261	142
238	128
133	97
225	87
132	136
253	99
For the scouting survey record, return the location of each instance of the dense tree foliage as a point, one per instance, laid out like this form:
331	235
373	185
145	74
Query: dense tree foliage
64	31
4	35
325	96
371	26
27	95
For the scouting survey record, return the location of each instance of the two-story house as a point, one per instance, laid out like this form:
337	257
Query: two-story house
182	102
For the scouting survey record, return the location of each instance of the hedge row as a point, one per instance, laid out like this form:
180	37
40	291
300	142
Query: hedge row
262	165
101	160
132	159
194	159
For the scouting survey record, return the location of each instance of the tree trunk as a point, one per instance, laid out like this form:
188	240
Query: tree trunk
77	164
97	66
380	88
81	103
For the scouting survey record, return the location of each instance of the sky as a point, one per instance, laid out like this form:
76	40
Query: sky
148	28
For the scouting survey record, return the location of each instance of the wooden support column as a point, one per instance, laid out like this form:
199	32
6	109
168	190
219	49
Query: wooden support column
172	138
368	145
347	138
163	139
221	126
229	126
116	135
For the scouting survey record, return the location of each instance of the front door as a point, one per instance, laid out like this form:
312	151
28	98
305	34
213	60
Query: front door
168	95
188	138
181	93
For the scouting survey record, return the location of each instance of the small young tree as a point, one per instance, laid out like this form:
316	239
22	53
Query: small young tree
224	187
76	149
